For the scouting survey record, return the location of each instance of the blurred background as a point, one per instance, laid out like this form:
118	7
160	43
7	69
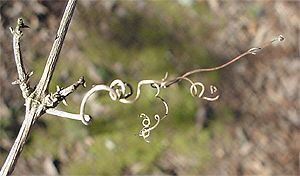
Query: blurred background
254	127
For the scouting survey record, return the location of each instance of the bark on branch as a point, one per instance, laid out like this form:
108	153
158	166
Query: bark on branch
35	99
23	76
42	87
40	101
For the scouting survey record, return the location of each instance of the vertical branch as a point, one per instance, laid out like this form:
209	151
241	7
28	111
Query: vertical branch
44	82
23	77
17	34
15	151
34	108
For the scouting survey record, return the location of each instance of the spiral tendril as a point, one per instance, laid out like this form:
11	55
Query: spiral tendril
123	91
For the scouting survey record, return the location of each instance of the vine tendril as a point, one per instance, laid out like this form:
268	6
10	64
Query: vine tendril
123	91
146	122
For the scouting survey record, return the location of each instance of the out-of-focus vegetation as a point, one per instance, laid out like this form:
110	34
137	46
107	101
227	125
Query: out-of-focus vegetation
251	129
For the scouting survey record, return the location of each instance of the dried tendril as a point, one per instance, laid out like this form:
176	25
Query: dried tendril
123	91
145	132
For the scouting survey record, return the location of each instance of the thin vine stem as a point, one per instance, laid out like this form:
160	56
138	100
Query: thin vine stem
252	51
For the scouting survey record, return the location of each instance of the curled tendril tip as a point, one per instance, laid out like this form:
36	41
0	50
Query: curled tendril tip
146	122
123	92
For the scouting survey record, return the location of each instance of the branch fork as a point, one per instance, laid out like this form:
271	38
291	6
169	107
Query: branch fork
37	100
53	99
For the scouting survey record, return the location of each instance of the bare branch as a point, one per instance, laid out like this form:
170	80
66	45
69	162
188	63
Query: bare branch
44	82
32	112
40	101
52	100
23	77
34	102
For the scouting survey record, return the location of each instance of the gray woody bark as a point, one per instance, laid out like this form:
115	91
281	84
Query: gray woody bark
38	101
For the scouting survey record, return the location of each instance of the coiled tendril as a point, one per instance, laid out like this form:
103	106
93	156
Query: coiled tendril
122	91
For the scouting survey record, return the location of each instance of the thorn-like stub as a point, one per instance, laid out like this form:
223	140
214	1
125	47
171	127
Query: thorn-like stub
64	101
11	30
30	74
81	81
16	82
20	21
21	24
280	38
57	88
27	77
